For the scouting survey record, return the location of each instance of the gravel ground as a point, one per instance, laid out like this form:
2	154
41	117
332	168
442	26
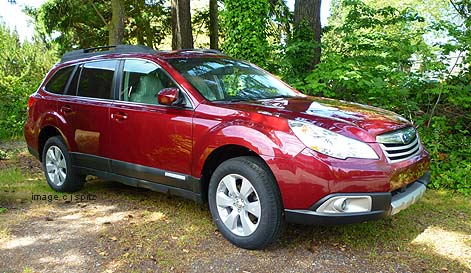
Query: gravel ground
81	237
135	230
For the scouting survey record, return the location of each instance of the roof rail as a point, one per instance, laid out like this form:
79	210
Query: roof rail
103	50
202	50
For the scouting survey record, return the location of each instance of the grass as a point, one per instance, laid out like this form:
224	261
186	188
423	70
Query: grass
156	232
413	234
18	186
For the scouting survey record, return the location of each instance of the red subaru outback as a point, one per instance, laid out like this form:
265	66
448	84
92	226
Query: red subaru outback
201	125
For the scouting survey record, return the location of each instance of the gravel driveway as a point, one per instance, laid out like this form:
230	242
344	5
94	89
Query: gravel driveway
115	228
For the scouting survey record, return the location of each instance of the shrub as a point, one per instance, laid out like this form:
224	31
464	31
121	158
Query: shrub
22	68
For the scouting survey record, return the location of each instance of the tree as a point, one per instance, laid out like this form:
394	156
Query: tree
303	47
368	51
147	22
116	26
308	13
75	23
71	23
182	36
213	24
244	24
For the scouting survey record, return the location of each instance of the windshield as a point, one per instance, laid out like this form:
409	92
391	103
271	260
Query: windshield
230	80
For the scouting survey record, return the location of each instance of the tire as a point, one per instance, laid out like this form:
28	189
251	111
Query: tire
245	202
57	167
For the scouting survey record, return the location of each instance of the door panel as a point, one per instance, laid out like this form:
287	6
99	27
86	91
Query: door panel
88	123
152	136
145	133
86	109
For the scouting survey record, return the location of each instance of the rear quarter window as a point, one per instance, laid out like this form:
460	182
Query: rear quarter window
58	82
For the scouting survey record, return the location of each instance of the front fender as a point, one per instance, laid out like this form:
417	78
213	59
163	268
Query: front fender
262	140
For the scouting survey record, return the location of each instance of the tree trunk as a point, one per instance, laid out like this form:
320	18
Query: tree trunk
116	28
310	11
182	37
213	24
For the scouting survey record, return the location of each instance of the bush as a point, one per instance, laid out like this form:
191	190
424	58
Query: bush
450	156
22	68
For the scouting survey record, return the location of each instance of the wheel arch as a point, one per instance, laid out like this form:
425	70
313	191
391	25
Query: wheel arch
218	156
45	133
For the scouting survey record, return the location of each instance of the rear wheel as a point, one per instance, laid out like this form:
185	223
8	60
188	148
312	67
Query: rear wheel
245	202
58	168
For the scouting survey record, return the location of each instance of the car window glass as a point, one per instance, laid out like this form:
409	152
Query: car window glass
58	82
96	79
220	79
142	81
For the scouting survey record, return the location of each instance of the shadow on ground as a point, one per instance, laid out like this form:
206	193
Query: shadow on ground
128	229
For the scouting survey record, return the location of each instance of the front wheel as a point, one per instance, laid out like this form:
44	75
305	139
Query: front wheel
58	167
245	202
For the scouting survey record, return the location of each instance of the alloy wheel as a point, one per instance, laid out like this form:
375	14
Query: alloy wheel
238	204
56	166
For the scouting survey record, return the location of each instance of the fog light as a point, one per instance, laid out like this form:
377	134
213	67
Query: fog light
340	205
346	204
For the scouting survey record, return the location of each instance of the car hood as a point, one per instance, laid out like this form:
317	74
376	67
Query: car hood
361	121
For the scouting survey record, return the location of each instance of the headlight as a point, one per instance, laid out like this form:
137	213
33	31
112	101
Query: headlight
330	143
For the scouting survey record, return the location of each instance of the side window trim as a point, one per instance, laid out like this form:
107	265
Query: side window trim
71	77
117	80
79	71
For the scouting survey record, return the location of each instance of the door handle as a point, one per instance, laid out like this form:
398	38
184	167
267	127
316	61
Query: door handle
66	109
119	116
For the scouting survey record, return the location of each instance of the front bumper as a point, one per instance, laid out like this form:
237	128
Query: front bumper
383	204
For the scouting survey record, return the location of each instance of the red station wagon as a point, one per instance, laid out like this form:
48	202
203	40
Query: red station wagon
207	127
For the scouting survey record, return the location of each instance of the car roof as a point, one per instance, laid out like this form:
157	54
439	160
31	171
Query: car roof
138	50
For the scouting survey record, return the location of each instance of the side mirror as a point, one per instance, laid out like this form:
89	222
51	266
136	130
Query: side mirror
168	96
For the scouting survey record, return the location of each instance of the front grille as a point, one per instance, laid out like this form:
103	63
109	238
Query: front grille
400	145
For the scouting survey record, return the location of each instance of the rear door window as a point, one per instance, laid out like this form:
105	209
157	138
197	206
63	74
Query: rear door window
58	82
96	79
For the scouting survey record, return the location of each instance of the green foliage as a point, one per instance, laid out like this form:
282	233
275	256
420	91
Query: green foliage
22	67
367	58
72	23
450	156
200	24
69	24
244	23
147	22
299	53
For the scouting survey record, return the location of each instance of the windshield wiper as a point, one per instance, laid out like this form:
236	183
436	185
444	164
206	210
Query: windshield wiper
278	97
231	100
